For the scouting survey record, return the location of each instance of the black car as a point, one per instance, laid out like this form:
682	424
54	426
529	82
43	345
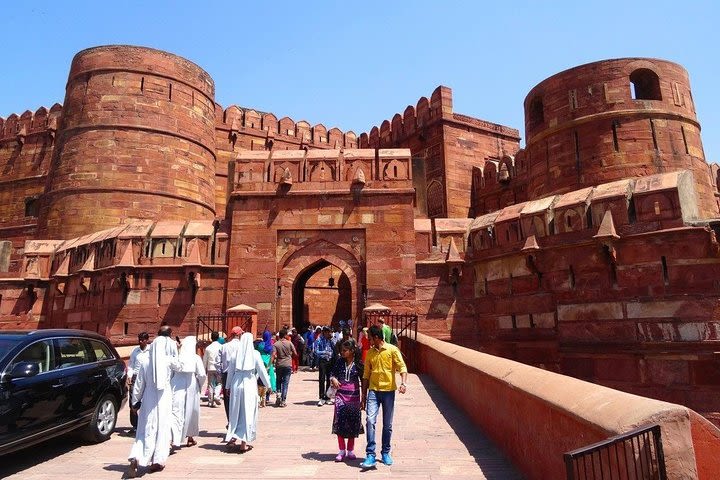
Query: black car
55	381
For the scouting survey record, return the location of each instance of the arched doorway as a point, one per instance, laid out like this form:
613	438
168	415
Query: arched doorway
304	278
322	295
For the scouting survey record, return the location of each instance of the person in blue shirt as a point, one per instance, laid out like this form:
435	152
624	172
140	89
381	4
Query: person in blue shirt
324	354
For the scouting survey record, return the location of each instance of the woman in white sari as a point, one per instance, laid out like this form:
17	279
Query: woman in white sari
186	385
245	367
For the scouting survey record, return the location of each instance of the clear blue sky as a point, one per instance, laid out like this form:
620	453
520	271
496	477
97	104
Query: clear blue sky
352	65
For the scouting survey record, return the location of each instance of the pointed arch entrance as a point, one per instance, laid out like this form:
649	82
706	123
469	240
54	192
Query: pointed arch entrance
320	283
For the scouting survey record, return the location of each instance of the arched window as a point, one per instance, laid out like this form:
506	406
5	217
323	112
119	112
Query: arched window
435	199
645	85
536	113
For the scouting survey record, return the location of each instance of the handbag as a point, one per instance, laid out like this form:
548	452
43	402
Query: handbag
331	392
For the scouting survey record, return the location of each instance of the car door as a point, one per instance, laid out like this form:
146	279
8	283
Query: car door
31	405
81	380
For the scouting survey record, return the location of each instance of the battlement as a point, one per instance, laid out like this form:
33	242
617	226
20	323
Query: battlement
415	119
235	119
15	127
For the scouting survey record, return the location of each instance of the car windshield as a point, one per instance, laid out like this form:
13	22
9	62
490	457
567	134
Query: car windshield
7	344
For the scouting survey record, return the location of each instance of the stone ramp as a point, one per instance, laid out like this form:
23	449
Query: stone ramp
431	440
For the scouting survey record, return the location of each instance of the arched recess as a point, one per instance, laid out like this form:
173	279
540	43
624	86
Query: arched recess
298	265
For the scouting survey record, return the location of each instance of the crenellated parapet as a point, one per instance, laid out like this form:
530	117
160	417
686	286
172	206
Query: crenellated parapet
237	120
16	128
415	121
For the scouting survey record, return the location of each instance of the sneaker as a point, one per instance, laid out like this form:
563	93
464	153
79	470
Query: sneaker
321	402
217	401
330	401
283	404
350	455
387	459
369	462
340	456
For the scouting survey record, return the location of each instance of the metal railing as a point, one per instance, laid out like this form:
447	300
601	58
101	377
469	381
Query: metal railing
206	324
634	455
405	324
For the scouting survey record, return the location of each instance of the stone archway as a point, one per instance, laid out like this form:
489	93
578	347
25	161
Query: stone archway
298	266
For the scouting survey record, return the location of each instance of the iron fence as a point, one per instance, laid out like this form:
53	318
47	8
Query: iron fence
224	322
634	455
404	326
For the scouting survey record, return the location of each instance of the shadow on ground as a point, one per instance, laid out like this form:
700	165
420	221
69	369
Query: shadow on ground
474	439
29	457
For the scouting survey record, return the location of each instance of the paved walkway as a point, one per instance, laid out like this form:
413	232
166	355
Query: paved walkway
431	440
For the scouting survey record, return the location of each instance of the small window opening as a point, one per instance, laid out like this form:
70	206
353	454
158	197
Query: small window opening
31	207
395	171
632	213
142	84
682	130
159	294
514	321
654	135
193	287
568	220
666	278
125	328
645	85
616	145
170	91
536	114
577	152
163	247
572	95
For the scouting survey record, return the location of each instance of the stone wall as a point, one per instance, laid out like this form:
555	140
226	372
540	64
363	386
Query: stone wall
514	404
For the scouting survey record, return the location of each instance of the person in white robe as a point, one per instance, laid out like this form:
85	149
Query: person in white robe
186	384
152	396
245	367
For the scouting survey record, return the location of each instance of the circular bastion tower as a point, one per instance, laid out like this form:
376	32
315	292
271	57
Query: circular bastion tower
136	141
610	120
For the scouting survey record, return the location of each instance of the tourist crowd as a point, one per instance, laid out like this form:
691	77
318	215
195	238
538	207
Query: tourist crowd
167	376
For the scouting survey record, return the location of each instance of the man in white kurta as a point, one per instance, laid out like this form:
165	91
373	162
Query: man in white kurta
186	384
153	393
245	367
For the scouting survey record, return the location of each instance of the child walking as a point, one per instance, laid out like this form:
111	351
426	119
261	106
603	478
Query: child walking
346	376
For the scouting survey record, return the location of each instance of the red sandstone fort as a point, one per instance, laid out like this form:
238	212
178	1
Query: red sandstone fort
592	251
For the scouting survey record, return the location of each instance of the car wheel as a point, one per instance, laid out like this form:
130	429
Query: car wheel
103	420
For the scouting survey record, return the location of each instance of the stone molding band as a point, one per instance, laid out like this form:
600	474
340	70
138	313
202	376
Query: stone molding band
612	114
119	189
124	126
77	75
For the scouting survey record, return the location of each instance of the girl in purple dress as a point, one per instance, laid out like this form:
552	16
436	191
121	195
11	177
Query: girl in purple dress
346	376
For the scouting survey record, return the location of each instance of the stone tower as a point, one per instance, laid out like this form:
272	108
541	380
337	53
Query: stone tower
136	141
613	119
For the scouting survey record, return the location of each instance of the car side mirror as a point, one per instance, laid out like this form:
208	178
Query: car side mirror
24	370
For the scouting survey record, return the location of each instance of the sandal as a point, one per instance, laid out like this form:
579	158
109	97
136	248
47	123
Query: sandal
133	470
191	442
